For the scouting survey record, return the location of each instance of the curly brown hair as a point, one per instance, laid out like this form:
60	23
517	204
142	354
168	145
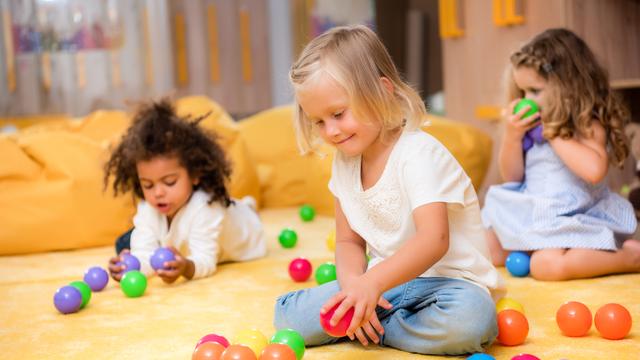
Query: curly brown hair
580	90
156	130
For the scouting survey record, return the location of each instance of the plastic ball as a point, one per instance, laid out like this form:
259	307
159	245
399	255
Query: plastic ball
208	351
340	329
613	321
253	339
277	352
307	213
160	256
133	283
574	319
292	339
331	241
219	339
513	327
525	357
97	278
325	273
481	356
508	303
85	291
238	352
288	238
67	299
533	107
129	262
300	269
518	264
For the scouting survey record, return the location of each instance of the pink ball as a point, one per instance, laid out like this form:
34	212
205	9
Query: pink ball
300	269
525	357
340	329
214	338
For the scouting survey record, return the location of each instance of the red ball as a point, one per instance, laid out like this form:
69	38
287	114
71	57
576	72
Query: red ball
613	321
513	327
574	319
525	357
277	352
207	351
340	329
300	269
214	338
238	352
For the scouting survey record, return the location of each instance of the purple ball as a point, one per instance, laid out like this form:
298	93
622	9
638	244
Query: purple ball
67	299
160	256
97	278
129	262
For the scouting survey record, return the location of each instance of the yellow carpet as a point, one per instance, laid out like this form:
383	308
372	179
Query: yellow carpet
168	320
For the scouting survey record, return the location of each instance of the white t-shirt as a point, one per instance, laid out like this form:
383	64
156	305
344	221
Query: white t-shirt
419	171
204	233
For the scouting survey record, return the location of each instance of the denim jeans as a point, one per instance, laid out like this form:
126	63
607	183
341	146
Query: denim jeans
432	315
124	242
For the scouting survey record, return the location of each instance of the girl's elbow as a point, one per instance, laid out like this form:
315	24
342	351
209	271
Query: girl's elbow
595	176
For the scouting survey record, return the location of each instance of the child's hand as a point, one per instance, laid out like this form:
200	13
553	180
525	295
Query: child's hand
173	269
115	270
363	296
515	125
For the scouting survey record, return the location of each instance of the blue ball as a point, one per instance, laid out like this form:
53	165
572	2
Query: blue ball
481	356
97	278
67	299
160	256
130	262
518	264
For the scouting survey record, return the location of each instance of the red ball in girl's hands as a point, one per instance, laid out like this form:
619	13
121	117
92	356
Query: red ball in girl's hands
340	329
613	321
574	319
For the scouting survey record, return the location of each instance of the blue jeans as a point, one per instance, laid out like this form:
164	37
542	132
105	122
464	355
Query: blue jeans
433	315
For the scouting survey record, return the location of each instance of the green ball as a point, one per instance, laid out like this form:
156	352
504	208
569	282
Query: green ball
288	238
533	107
307	213
133	283
290	338
85	291
325	273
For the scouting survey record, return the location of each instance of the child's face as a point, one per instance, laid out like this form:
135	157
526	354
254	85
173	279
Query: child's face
326	104
166	184
531	83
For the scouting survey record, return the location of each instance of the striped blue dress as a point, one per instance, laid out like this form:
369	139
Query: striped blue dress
553	208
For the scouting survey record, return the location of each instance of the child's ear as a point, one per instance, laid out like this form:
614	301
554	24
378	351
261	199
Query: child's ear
387	84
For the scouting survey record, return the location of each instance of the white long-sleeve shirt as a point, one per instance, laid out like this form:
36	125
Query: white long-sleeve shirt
206	234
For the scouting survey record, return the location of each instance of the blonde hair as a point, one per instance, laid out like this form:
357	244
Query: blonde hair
356	59
579	90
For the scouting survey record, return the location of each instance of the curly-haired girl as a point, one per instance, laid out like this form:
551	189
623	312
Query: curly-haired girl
179	171
556	202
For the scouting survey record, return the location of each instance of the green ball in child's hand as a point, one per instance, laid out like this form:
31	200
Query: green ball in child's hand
533	107
133	283
288	238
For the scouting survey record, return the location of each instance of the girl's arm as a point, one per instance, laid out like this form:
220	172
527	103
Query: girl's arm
511	158
351	259
429	244
585	157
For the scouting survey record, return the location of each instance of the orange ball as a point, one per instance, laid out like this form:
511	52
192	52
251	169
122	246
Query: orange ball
277	352
513	327
238	352
207	351
574	319
613	321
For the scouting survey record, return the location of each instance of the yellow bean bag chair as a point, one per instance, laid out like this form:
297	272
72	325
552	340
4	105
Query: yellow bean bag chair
289	179
51	179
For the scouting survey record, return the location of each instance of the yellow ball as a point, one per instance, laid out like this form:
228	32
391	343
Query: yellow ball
331	240
253	339
508	303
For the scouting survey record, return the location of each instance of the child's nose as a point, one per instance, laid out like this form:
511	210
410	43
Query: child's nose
158	191
332	128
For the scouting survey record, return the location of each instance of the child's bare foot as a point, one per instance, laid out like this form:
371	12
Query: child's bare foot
631	248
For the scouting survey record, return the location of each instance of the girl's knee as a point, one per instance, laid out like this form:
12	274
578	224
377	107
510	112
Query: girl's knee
547	265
